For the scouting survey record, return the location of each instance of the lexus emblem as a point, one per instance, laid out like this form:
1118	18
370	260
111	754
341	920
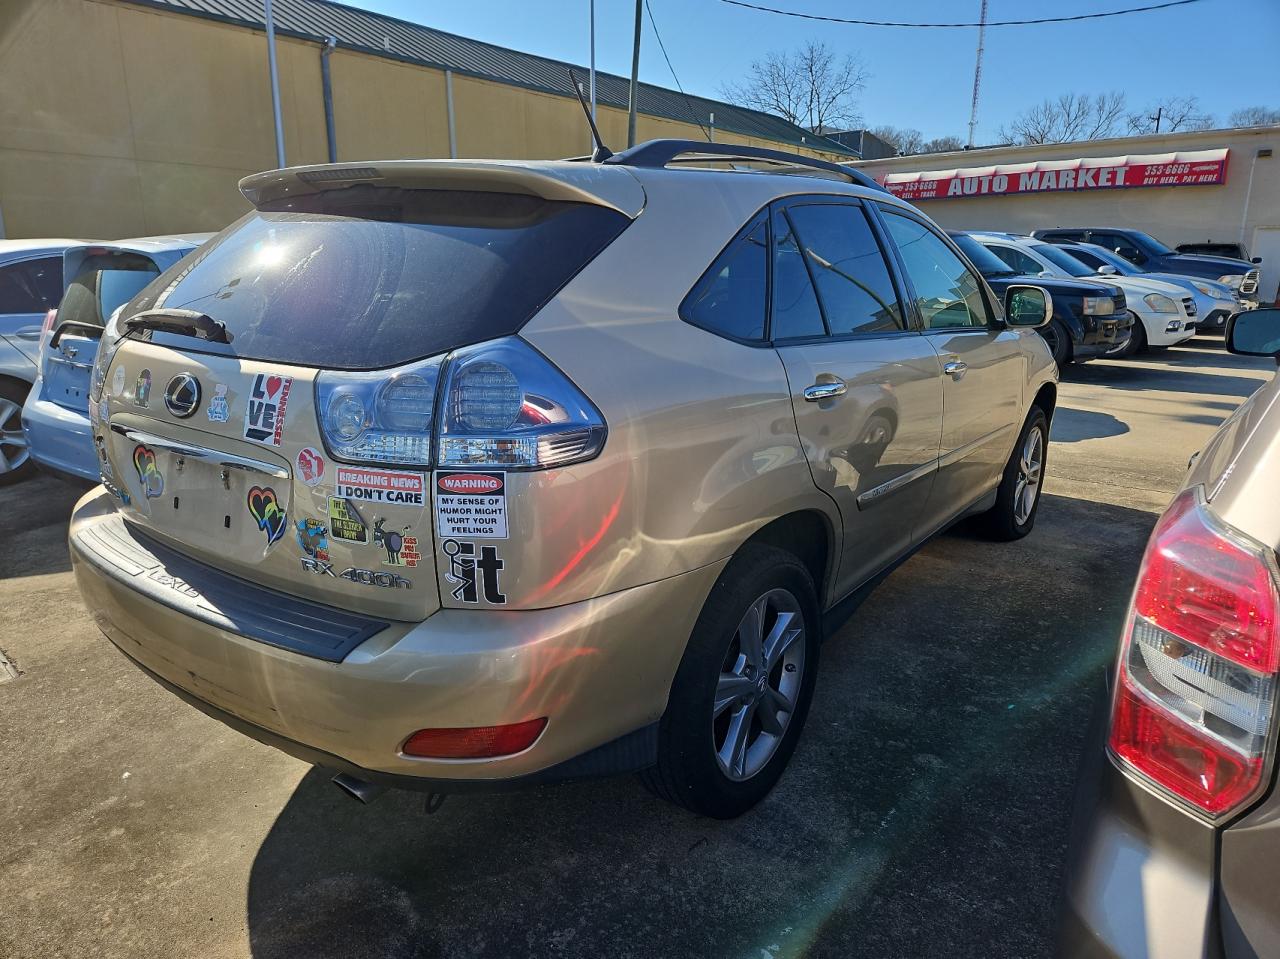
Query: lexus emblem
182	395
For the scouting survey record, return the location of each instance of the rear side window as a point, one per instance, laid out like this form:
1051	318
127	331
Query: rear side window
32	286
848	268
105	281
372	277
1017	260
730	298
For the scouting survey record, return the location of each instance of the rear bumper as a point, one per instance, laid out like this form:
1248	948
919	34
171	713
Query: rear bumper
60	440
1140	876
599	670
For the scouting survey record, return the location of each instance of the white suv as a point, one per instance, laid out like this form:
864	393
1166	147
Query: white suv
1167	312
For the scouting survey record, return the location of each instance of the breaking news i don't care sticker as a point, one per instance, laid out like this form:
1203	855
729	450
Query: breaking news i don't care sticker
471	505
380	486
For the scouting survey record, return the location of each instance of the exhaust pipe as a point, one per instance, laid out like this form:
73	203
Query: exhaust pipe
366	792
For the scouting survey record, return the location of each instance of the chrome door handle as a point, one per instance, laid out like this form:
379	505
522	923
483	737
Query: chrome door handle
824	391
955	369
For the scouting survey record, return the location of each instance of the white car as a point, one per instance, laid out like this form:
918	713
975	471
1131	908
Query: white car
1215	302
1167	312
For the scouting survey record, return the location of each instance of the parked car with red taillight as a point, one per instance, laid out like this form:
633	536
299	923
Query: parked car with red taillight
1176	843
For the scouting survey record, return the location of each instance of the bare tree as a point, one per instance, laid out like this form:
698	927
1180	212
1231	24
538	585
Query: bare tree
1071	116
947	144
812	87
1175	113
904	140
1254	117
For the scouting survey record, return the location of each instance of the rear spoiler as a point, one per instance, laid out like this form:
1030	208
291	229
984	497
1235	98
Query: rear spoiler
614	188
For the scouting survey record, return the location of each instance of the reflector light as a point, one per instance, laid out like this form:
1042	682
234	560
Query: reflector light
474	742
1196	684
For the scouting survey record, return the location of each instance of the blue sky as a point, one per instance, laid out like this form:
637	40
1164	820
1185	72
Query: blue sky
1223	51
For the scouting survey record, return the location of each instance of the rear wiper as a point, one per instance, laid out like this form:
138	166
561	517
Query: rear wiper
183	322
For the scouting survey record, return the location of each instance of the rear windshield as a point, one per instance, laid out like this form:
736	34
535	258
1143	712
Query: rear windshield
371	277
105	281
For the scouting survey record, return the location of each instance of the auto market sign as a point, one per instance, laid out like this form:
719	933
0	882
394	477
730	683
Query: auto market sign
1194	168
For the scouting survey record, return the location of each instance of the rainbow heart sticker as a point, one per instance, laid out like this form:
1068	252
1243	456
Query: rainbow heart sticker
265	508
144	461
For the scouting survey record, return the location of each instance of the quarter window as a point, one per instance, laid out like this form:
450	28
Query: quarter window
848	269
948	294
32	286
1018	260
795	306
730	299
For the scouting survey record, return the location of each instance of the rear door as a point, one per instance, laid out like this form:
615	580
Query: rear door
984	366
866	387
102	280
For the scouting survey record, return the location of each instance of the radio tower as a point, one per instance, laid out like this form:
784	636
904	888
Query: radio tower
977	72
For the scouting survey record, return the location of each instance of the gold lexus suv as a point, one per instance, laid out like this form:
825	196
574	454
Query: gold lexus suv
454	475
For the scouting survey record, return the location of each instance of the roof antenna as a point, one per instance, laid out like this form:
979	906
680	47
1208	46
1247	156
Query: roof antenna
601	152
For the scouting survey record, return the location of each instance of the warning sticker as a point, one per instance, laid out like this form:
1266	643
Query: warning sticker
471	505
379	486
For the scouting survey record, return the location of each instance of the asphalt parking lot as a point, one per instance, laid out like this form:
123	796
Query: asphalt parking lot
925	812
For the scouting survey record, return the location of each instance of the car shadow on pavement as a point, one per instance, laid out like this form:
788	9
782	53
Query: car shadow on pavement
1123	376
925	811
1072	425
28	511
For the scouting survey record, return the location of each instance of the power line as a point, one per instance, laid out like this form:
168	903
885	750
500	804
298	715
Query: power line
994	23
661	46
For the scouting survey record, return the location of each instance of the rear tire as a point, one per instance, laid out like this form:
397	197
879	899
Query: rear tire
1018	496
717	753
16	464
1058	339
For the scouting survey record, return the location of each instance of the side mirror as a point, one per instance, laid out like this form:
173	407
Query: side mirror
1029	307
1107	270
1254	333
1256	259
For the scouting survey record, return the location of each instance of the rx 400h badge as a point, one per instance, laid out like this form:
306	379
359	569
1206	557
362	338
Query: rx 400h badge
266	510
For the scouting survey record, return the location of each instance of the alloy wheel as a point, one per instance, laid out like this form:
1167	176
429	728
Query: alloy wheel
1030	469
13	443
759	685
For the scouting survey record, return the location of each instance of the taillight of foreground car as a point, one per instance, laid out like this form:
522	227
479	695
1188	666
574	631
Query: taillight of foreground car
1196	684
499	404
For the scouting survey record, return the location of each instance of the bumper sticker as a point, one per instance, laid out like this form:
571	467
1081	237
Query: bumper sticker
345	523
313	538
265	412
379	486
402	549
474	577
117	381
218	411
310	466
471	505
144	461
265	508
142	388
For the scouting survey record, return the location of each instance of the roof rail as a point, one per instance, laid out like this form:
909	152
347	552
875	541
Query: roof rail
655	154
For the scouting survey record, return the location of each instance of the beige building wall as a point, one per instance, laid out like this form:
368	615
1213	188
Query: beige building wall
1234	211
117	120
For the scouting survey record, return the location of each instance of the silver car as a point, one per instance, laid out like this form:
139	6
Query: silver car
1176	846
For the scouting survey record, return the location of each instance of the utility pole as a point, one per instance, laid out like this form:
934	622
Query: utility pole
275	82
635	79
977	71
1156	118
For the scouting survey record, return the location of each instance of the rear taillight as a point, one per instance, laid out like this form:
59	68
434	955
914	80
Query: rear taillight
499	404
1196	683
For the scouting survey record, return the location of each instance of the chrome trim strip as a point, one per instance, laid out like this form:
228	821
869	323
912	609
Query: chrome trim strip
876	493
229	460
